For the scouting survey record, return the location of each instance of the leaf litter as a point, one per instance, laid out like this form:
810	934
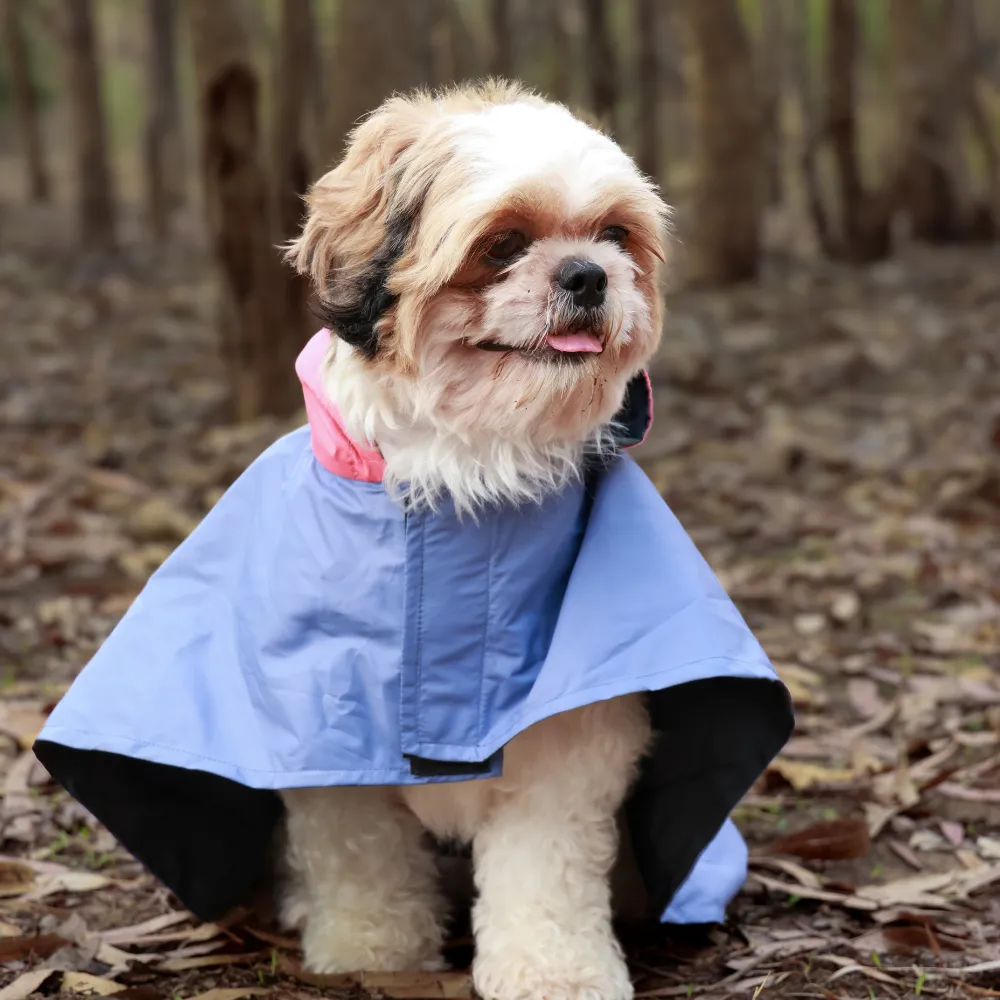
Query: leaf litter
843	479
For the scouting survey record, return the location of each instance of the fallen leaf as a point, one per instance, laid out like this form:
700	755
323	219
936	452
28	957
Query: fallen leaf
833	840
231	993
902	940
864	697
136	932
83	982
877	975
956	791
16	878
206	961
289	944
927	840
398	985
804	685
39	945
803	774
906	854
68	881
988	848
953	832
25	984
851	902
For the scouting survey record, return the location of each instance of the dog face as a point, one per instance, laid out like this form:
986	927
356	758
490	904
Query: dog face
493	263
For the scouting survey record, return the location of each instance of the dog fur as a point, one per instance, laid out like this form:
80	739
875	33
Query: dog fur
450	356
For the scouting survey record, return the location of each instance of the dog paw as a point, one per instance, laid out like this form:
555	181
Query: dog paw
554	977
366	953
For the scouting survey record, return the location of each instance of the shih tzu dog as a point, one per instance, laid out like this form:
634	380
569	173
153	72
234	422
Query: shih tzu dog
489	266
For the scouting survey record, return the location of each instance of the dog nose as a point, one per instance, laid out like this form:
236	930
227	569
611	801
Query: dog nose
585	281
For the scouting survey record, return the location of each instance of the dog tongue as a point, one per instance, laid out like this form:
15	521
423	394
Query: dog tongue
575	343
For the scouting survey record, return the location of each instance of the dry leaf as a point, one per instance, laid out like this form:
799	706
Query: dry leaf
83	982
39	945
16	878
802	774
834	840
231	993
864	697
136	932
289	944
68	881
953	832
804	685
397	985
851	902
25	984
206	961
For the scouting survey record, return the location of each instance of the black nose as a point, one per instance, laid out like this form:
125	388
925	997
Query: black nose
585	281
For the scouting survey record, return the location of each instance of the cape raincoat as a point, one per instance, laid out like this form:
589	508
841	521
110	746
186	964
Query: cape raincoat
311	631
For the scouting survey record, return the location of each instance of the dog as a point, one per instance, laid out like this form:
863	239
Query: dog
448	607
490	267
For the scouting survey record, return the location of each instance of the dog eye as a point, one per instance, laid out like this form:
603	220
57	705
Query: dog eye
507	247
615	234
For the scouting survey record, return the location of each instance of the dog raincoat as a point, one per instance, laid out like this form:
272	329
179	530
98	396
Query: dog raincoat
312	631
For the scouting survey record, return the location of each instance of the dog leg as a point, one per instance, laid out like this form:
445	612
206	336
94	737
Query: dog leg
544	856
364	886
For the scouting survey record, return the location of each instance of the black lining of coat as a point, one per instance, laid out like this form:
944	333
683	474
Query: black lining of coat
210	839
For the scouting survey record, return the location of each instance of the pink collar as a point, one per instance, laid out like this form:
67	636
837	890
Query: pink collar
333	446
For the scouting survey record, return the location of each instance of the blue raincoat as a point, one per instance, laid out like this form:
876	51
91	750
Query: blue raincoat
313	632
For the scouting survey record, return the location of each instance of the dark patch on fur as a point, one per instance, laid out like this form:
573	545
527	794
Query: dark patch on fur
364	299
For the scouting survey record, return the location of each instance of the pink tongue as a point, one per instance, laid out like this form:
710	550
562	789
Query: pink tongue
575	343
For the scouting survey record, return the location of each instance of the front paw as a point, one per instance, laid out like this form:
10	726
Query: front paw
347	949
576	970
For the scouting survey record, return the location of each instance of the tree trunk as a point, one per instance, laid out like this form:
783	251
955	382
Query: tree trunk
648	89
865	219
771	72
95	204
293	159
602	67
501	63
723	242
164	155
257	345
932	172
560	60
969	31
25	95
377	53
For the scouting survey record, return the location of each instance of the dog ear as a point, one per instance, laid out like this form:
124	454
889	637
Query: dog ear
359	219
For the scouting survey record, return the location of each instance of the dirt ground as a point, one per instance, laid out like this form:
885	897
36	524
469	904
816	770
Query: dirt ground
831	440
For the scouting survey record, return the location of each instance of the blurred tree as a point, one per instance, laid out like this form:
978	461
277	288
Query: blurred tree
975	43
95	203
380	47
931	61
26	100
723	240
293	156
560	81
164	154
602	67
647	14
501	61
771	74
292	159
864	231
259	338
